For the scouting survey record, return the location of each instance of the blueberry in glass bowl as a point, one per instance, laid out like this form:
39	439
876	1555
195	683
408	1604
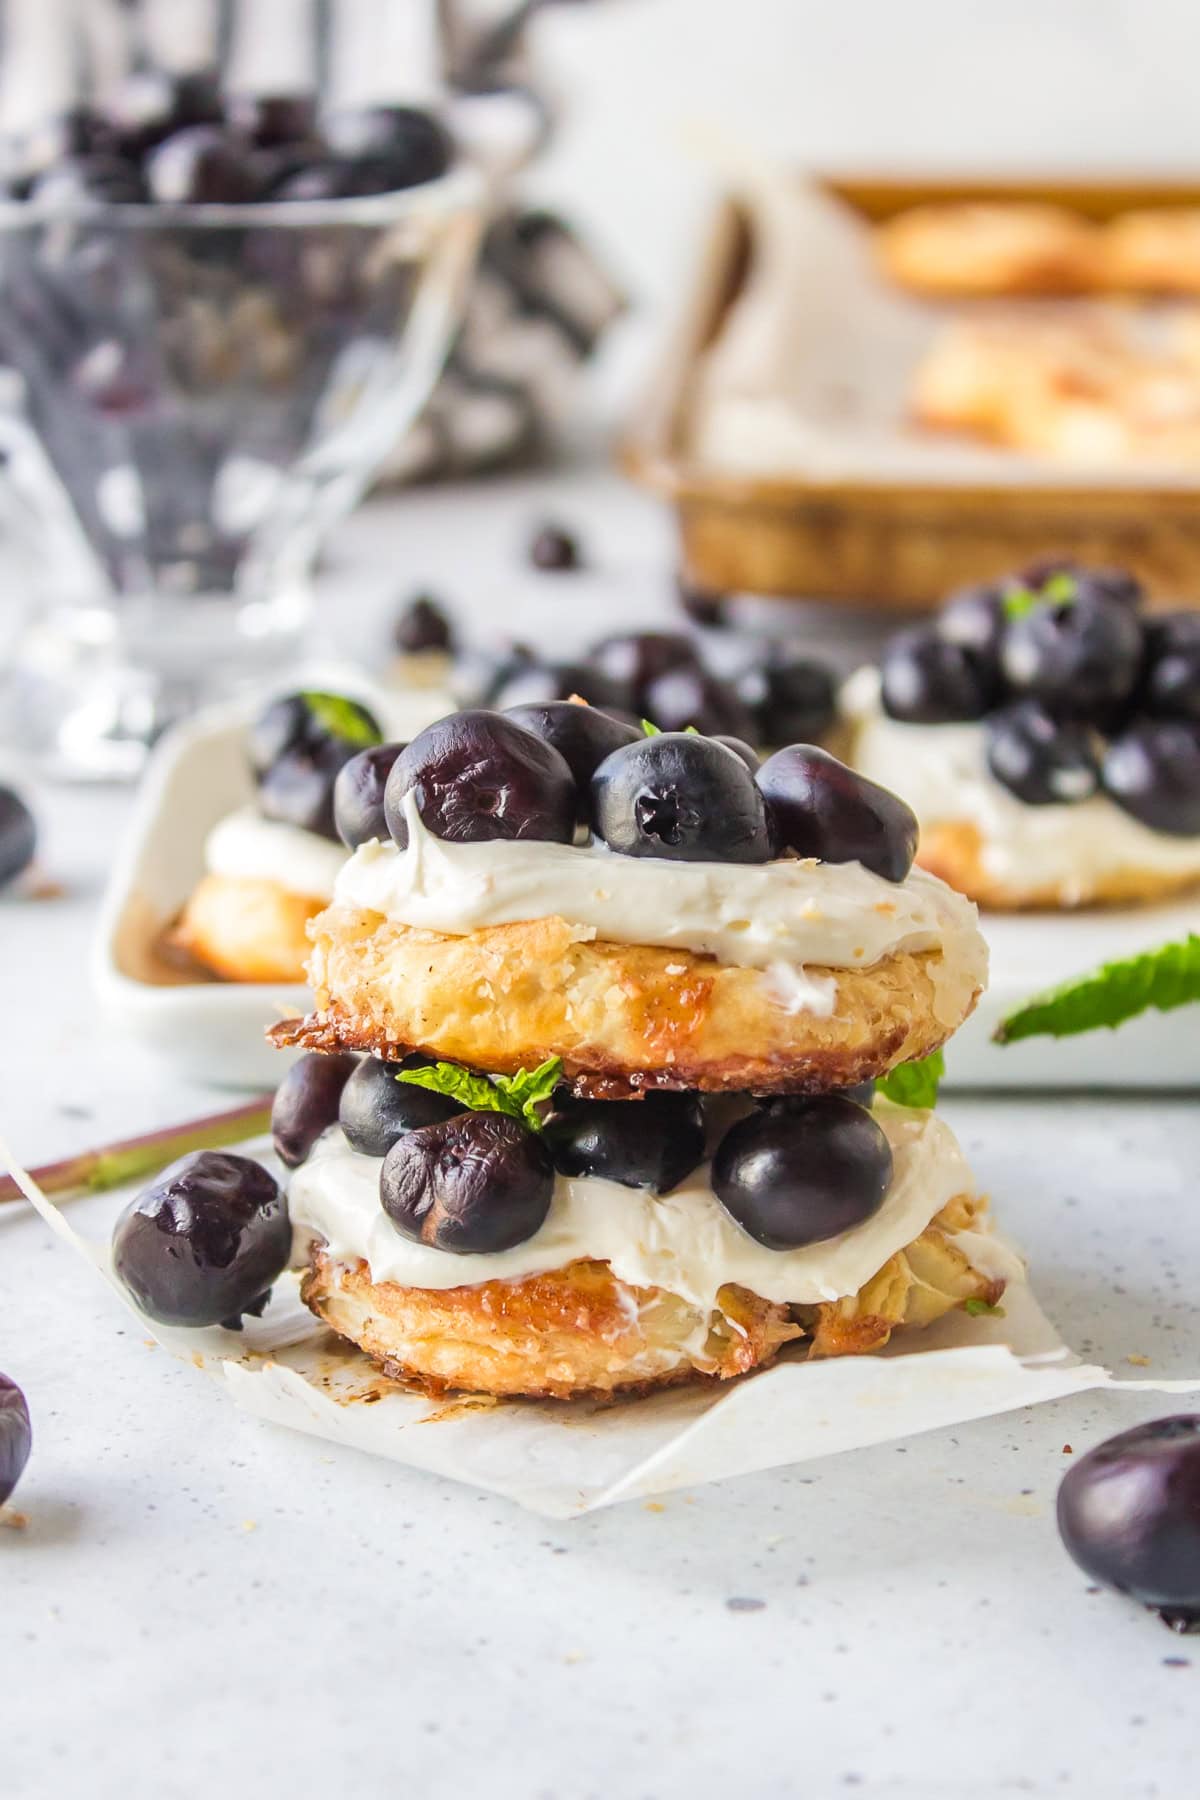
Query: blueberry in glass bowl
210	361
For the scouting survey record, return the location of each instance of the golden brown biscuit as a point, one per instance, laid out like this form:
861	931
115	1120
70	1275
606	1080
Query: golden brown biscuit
1153	250
245	930
578	1331
966	249
954	852
620	1016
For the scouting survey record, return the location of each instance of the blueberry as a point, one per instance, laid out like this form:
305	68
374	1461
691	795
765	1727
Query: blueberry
975	619
799	1174
273	121
1153	771
18	836
702	605
820	808
862	1093
296	747
1118	585
1171	680
95	180
650	1143
681	797
376	1109
481	671
1043	761
744	752
634	659
392	146
16	1437
583	737
306	1104
478	775
554	550
478	1183
1080	658
203	1243
149	105
793	698
927	680
693	697
1129	1515
203	165
358	795
422	625
535	684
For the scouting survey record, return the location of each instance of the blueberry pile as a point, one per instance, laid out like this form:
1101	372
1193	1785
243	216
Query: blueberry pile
791	1172
18	836
545	770
178	140
313	753
1078	691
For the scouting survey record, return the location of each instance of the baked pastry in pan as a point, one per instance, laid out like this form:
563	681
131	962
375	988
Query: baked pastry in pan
1047	733
694	1175
965	249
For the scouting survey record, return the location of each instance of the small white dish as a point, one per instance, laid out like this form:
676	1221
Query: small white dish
211	1030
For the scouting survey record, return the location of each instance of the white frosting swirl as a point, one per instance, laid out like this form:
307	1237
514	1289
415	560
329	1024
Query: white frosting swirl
684	1242
941	770
247	847
748	915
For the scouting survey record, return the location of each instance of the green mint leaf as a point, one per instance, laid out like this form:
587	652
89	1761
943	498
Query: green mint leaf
528	1091
517	1096
1018	600
914	1083
475	1093
1062	589
344	719
979	1309
650	730
1105	997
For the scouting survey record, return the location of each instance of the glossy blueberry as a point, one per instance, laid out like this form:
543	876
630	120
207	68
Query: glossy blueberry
974	618
149	105
95	180
928	680
820	808
1129	1515
479	1182
16	1437
203	165
273	121
421	625
745	753
703	606
681	797
359	813
392	146
481	671
554	550
1171	680
203	1243
634	659
802	1173
376	1108
793	698
651	1143
693	697
18	836
535	684
1042	760
1081	658
583	737
303	722
479	775
1118	585
306	1104
1152	770
313	736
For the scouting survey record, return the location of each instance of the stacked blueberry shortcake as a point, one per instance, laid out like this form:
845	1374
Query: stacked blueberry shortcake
587	1103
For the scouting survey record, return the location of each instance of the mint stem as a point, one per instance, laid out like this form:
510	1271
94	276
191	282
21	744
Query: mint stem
93	1171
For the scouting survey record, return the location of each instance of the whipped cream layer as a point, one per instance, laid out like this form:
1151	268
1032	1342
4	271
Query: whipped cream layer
684	1242
788	914
246	847
941	770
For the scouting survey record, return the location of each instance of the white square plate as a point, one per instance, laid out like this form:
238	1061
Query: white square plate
211	1030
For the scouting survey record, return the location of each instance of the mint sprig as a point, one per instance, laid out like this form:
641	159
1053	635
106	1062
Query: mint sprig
518	1096
650	730
1060	589
914	1083
1161	979
343	718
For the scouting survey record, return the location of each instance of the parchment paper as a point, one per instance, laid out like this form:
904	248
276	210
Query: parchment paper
560	1459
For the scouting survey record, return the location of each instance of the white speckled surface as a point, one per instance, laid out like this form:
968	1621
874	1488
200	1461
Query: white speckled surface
200	1604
